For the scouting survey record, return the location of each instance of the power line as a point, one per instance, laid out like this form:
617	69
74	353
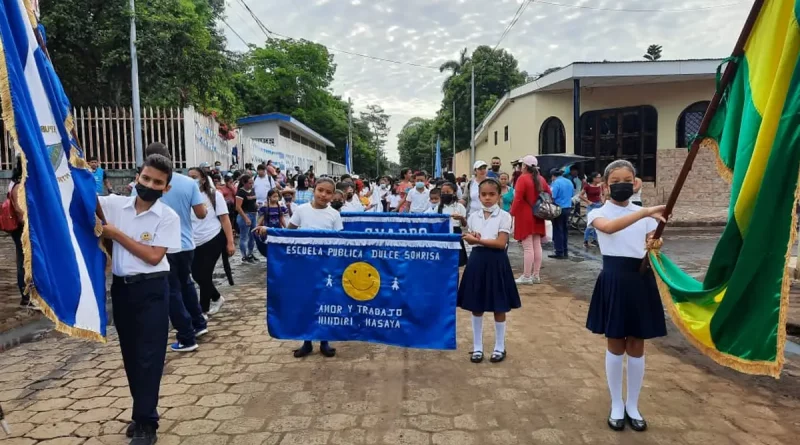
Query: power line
600	8
267	32
514	19
234	31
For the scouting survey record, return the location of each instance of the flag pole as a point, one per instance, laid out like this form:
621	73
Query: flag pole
137	109
730	70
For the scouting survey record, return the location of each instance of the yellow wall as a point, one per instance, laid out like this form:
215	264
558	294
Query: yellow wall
525	116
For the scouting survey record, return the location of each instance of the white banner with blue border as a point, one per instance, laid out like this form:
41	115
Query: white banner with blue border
412	223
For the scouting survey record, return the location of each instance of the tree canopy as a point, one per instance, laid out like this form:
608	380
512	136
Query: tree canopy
183	61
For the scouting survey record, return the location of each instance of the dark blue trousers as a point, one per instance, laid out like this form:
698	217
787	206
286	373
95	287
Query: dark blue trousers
140	315
184	306
560	233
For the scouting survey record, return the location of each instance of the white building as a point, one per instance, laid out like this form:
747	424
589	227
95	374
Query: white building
286	142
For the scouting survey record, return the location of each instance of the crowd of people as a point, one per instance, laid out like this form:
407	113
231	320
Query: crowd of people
173	229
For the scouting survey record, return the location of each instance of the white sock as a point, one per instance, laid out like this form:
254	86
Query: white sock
614	377
635	379
477	334
500	336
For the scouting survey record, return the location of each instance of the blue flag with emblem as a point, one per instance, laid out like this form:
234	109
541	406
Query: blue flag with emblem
347	162
430	223
437	169
64	264
341	286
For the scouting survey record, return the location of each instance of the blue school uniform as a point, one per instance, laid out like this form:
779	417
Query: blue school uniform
487	284
625	301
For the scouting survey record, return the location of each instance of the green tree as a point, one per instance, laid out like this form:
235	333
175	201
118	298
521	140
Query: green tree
416	143
377	121
180	52
454	66
653	53
496	73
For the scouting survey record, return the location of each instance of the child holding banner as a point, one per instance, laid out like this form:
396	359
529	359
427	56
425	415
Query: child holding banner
316	215
488	282
626	306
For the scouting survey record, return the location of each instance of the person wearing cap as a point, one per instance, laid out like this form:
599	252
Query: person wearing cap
528	229
562	196
288	194
473	202
206	167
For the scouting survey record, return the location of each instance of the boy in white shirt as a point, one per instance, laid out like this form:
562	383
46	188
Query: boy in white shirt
351	202
418	198
142	229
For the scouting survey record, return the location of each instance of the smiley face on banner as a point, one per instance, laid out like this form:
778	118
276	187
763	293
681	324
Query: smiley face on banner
361	281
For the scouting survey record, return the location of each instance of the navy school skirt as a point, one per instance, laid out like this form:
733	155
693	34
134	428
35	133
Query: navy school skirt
625	302
487	284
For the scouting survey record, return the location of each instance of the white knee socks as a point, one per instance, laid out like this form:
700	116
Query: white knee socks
500	336
477	334
635	379
614	377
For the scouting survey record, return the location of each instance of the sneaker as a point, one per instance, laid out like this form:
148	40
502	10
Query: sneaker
216	305
253	259
524	280
205	316
536	280
200	333
178	347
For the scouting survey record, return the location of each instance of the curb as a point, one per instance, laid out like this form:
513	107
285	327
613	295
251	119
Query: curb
26	333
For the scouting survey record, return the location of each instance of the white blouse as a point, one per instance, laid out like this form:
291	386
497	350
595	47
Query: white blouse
629	242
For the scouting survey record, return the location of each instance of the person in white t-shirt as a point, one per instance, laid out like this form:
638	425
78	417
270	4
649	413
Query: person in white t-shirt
418	198
316	215
213	237
352	203
625	306
262	184
288	195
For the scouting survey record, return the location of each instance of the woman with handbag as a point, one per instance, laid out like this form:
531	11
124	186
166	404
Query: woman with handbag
529	229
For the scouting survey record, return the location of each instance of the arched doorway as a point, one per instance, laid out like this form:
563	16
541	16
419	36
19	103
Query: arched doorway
552	137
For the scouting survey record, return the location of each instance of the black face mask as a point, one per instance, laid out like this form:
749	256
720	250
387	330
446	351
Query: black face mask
349	196
447	198
337	205
495	168
621	191
147	194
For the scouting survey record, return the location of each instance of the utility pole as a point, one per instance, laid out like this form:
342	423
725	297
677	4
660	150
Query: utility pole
137	112
350	131
454	136
472	122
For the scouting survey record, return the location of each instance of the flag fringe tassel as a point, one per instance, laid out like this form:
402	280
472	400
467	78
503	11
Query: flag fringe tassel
10	121
723	170
768	368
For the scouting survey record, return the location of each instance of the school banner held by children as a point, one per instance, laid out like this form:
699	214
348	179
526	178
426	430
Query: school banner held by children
737	314
396	289
64	265
430	223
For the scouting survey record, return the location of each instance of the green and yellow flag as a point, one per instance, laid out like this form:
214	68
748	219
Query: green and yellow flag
737	315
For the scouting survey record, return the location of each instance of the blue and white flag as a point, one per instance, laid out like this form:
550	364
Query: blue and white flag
347	162
383	288
414	223
64	265
437	170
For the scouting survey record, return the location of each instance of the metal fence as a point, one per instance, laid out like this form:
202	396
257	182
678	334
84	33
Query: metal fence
107	133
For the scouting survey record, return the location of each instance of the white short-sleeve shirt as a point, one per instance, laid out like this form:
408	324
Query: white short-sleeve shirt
308	218
452	209
353	206
490	228
629	242
420	201
159	226
204	230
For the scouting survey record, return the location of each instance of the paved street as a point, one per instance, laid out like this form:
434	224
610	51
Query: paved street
244	388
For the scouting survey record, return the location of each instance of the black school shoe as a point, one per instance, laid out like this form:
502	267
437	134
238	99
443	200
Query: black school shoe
636	425
144	435
326	349
129	431
616	424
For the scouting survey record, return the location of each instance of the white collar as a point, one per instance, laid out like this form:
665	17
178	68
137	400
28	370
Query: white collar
155	208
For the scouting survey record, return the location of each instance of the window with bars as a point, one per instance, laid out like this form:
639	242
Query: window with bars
286	133
689	123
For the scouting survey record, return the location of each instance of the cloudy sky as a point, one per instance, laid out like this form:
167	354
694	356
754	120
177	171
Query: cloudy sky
430	32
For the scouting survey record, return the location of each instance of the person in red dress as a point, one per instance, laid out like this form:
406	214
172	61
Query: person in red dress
529	229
